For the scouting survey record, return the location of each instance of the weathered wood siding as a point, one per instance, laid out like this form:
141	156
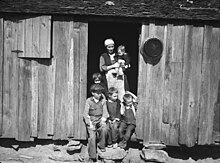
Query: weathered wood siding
42	92
70	45
177	95
43	86
10	81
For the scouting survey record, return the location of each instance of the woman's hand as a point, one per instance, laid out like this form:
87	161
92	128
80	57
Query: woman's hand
116	65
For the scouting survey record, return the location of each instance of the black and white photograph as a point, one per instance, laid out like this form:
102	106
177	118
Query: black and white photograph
110	81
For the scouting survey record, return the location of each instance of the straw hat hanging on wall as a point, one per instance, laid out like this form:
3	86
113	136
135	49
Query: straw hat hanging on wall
151	50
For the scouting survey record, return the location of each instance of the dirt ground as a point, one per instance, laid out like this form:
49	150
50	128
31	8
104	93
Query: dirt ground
48	151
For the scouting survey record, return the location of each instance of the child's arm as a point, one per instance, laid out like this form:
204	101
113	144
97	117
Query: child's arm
135	99
105	112
122	110
127	61
86	115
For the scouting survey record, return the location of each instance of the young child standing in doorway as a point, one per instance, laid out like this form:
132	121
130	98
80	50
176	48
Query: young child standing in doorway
95	115
113	107
128	122
123	60
98	79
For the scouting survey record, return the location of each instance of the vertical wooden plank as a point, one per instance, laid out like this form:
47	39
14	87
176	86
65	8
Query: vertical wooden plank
10	81
45	35
168	49
156	89
214	82
216	102
71	84
147	98
204	115
83	75
1	72
55	51
34	99
191	85
36	37
24	92
195	83
175	83
148	128
142	77
21	37
76	79
28	41
61	54
51	98
57	36
174	111
209	85
167	53
185	84
43	97
69	81
34	77
148	103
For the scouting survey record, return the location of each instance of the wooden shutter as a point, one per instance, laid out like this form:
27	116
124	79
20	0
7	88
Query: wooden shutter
34	38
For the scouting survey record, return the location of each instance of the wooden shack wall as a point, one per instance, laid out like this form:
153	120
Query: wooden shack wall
42	90
178	94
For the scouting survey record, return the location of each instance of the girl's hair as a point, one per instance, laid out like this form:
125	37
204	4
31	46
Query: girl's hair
127	97
112	90
97	76
121	48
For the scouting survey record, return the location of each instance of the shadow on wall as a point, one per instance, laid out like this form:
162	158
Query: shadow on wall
216	122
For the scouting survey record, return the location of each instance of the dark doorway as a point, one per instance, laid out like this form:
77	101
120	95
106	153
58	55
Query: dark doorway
126	34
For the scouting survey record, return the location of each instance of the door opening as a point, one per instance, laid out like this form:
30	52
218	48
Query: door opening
126	34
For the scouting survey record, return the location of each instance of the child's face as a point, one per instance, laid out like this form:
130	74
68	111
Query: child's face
120	53
128	103
97	95
113	97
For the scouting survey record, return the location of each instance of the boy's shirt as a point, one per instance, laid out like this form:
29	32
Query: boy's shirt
129	113
113	108
95	110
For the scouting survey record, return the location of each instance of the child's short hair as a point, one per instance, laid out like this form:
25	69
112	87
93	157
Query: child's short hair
97	76
112	90
127	98
121	48
96	88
